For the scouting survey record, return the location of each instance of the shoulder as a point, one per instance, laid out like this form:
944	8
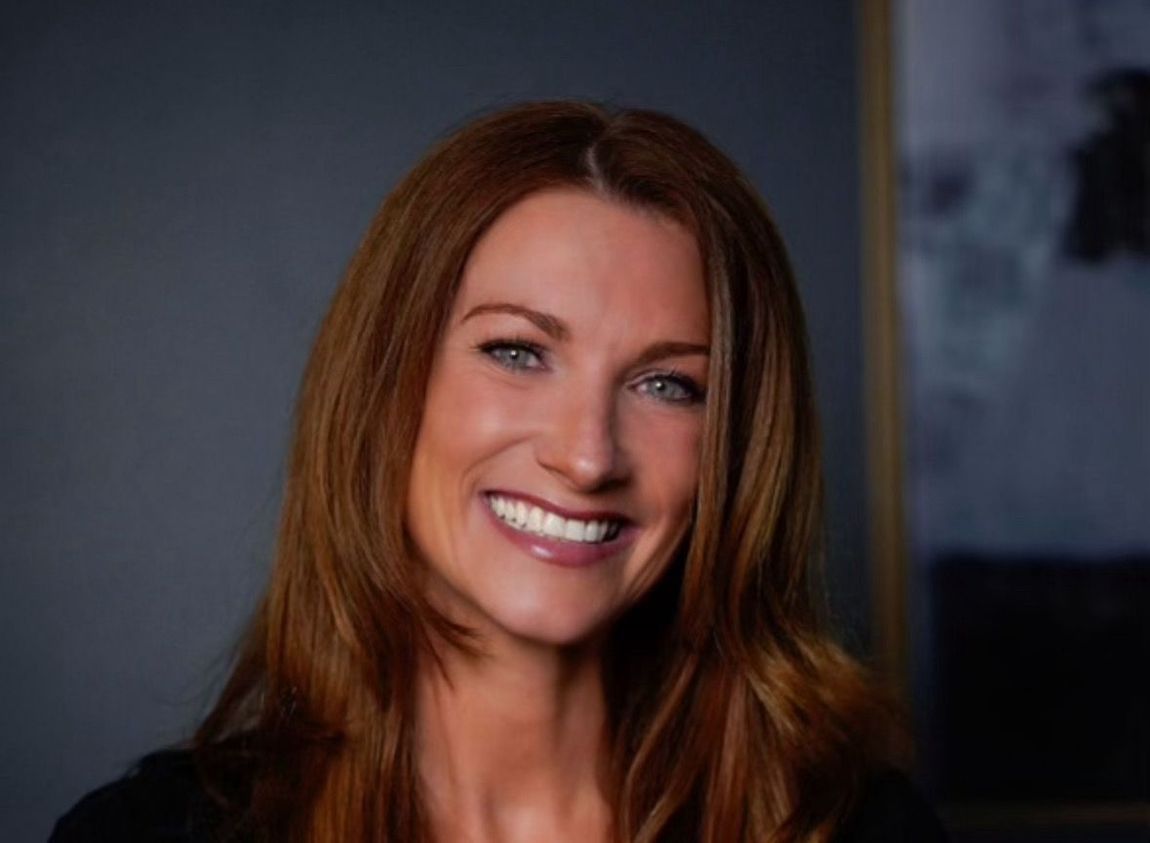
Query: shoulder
160	800
891	809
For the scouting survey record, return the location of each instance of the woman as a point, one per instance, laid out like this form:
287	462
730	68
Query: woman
544	564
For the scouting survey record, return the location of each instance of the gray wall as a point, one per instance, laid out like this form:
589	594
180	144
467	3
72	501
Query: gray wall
180	187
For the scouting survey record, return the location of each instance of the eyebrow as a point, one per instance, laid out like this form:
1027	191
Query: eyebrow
557	329
670	348
553	326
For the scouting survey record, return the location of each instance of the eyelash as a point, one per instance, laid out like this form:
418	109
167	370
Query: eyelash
692	392
511	344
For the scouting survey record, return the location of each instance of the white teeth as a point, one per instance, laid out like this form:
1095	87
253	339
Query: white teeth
534	519
553	525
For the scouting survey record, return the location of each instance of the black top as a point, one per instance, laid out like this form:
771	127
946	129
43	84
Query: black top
162	801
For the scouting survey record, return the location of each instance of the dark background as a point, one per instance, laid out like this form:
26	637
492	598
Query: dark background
181	185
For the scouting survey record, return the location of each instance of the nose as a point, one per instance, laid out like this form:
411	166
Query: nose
579	443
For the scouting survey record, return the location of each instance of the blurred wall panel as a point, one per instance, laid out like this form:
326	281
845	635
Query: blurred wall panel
1023	142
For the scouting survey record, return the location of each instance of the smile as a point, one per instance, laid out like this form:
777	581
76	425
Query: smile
528	518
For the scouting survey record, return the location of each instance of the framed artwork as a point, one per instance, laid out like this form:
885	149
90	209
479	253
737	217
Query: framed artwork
1007	181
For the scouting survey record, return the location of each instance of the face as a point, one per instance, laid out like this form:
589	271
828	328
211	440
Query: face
556	464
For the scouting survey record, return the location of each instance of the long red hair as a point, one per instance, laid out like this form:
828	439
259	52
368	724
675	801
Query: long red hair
734	717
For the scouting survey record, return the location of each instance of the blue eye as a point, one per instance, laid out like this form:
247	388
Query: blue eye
672	388
515	355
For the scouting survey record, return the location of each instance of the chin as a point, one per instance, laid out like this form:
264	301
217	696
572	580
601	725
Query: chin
549	623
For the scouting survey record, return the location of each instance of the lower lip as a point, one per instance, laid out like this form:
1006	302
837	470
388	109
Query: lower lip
562	553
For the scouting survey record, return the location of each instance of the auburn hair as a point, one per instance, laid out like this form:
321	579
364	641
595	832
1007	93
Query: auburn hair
733	715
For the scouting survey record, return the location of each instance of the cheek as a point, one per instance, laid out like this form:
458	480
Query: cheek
670	463
464	422
668	459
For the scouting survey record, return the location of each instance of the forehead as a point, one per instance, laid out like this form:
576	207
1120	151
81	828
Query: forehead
581	255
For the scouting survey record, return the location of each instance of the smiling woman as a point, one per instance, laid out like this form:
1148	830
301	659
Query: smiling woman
544	568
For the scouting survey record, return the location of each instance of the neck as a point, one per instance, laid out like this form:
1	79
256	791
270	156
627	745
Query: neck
510	744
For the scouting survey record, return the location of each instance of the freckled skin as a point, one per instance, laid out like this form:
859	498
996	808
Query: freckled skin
583	429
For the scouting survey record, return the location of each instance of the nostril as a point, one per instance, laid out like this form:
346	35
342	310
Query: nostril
582	447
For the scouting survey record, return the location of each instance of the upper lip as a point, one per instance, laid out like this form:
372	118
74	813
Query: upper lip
578	514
